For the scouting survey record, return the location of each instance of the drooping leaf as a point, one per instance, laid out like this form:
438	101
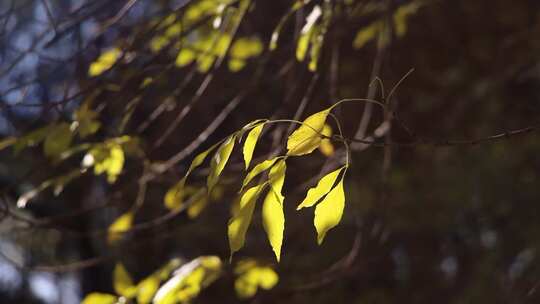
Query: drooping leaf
243	49
99	298
367	34
260	167
250	143
275	34
58	140
306	33
147	288
328	212
121	224
104	62
307	137
185	57
122	282
322	188
198	206
252	276
219	161
239	224
272	212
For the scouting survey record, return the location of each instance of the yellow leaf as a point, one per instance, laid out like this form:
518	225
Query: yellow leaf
251	141
219	161
197	207
326	147
306	138
120	225
272	212
104	62
174	196
146	289
122	282
367	34
196	162
328	212
239	224
236	65
107	159
302	45
58	140
99	298
263	166
307	32
323	187
185	57
246	47
251	276
6	142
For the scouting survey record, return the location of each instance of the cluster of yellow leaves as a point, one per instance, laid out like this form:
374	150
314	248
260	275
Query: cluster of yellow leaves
125	289
380	29
251	276
312	35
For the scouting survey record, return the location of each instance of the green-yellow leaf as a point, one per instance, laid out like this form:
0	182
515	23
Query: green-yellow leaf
147	288
251	276
272	212
250	143
323	187
99	298
326	147
260	167
367	34
122	282
328	212
307	137
119	226
58	140
185	57
196	162
239	224
219	161
6	142
104	62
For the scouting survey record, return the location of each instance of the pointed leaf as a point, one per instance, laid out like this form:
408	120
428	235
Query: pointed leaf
328	213
146	289
323	187
122	282
272	213
239	224
196	162
251	141
262	166
120	225
306	138
219	161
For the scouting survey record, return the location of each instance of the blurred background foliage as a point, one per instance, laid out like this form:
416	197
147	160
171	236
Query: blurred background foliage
103	105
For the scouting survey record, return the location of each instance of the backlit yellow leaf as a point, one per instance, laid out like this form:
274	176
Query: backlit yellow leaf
147	288
328	212
367	34
120	225
104	62
239	224
251	276
306	138
196	162
219	161
99	298
250	143
122	282
185	57
272	212
323	187
260	167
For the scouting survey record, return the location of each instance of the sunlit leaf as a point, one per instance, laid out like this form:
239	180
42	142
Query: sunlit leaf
306	33
275	34
272	212
197	207
252	276
99	298
260	167
104	62
58	140
219	161
147	288
326	147
401	16
108	159
187	281
121	224
250	143
239	224
185	57
122	282
328	212
86	120
306	138
241	50
196	162
322	188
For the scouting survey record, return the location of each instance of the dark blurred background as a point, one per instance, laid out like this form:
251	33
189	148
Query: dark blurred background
432	216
